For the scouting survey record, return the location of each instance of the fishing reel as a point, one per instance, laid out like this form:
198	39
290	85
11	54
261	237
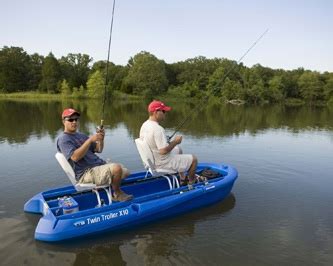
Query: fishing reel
100	127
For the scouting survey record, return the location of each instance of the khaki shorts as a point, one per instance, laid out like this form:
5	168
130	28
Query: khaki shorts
177	162
101	175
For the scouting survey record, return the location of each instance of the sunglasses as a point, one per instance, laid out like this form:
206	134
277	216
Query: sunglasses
71	119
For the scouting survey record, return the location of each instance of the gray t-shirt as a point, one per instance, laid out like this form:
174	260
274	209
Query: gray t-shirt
68	143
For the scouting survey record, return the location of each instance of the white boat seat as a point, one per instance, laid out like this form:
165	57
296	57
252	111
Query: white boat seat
148	160
65	165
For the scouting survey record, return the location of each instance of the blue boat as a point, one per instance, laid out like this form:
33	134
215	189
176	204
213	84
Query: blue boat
68	213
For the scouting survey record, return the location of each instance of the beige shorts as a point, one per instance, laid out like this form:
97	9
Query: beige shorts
177	163
101	175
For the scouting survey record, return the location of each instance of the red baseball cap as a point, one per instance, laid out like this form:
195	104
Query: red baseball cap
69	112
158	105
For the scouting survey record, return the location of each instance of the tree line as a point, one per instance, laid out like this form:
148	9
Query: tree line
75	75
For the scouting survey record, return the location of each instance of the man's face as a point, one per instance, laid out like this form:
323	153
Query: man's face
160	115
71	123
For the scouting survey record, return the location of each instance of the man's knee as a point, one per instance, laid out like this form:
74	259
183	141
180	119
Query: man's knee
116	170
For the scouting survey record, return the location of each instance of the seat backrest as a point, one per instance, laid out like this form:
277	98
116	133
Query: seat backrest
146	154
66	167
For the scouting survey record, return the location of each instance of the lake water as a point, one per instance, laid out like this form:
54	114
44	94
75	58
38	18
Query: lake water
279	213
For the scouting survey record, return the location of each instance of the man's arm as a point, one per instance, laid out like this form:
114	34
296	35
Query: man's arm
79	153
172	144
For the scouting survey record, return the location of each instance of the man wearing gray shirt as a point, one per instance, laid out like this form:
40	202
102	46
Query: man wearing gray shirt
80	150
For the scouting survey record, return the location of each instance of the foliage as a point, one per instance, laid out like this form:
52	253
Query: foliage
147	76
78	92
51	75
328	87
75	68
196	70
116	73
95	85
226	86
35	71
65	90
311	87
232	90
186	91
15	65
274	92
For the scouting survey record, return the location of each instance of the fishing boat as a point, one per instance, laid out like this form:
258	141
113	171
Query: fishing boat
69	212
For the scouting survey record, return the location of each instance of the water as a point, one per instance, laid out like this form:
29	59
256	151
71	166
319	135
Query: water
279	211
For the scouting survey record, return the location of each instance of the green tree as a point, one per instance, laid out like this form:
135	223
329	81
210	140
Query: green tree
253	86
196	70
146	75
254	93
65	90
75	68
51	75
275	89
79	92
265	73
116	73
290	79
216	82
328	87
35	71
232	90
95	85
14	69
311	87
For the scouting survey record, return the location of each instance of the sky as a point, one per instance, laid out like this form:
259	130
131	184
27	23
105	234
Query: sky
300	32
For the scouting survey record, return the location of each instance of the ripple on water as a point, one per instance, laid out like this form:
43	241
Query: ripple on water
17	236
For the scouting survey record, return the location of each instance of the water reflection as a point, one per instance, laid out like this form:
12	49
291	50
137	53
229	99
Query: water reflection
284	193
20	120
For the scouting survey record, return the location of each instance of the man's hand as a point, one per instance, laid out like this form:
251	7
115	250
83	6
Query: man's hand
178	139
100	140
99	136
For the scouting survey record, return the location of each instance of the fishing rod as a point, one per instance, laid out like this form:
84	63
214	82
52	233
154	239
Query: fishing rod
223	80
107	68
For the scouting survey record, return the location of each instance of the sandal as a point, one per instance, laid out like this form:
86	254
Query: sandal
122	197
200	178
192	182
183	181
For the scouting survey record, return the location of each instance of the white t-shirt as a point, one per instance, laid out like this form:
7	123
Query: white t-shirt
155	137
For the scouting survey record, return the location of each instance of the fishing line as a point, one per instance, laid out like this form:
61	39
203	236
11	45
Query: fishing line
107	66
223	80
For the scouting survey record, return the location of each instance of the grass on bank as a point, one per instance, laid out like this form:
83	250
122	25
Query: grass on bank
32	95
117	95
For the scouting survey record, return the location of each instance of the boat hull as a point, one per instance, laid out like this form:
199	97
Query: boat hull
153	200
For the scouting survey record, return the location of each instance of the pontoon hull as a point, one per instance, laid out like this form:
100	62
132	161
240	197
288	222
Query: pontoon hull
153	200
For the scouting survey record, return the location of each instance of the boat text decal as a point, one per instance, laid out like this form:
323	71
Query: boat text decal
101	218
